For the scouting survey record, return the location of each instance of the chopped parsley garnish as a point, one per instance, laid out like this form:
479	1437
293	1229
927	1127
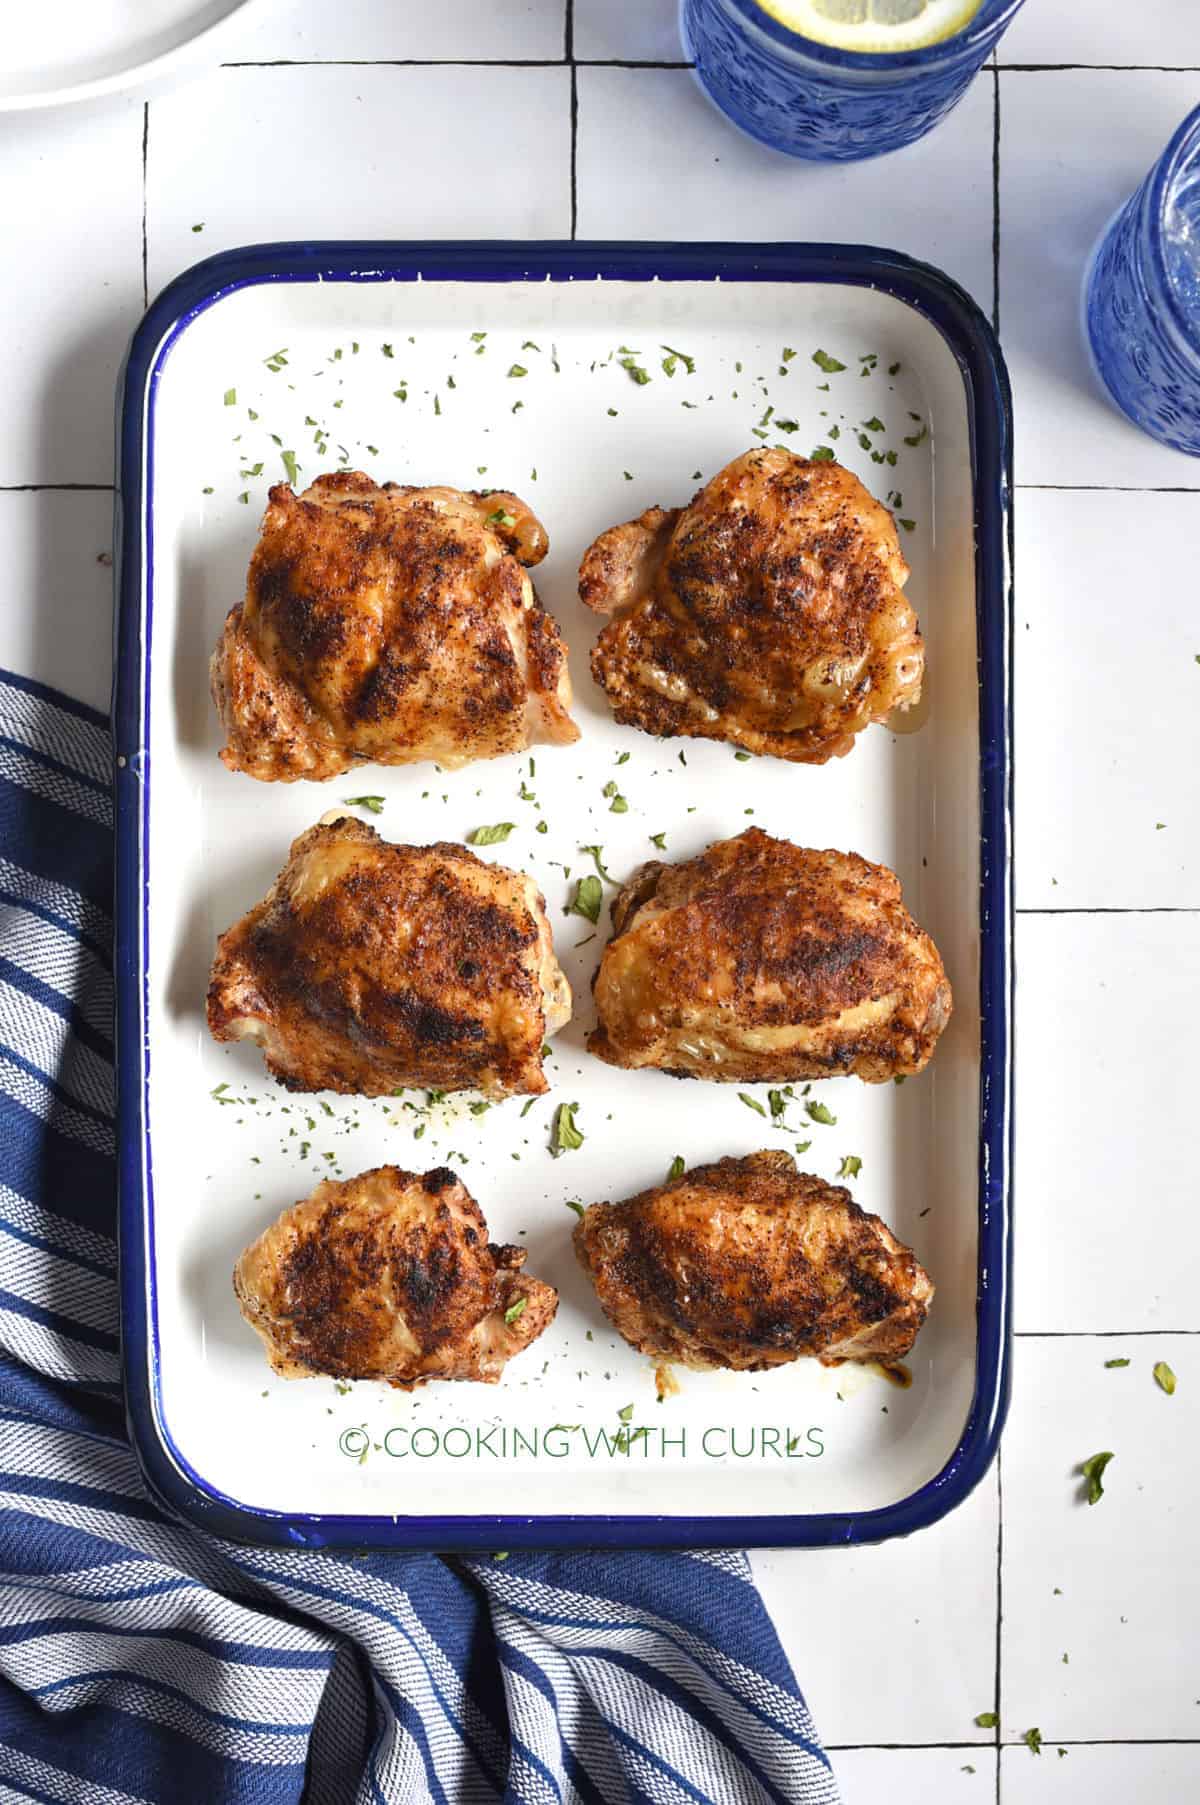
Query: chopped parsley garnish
1093	1473
910	526
564	1136
751	1102
490	836
626	1413
659	840
893	369
218	1089
572	1205
276	361
517	370
635	370
674	358
231	397
596	855
823	361
588	899
374	803
530	346
1164	1377
819	1112
987	1720
874	424
788	354
917	438
803	1146
503	518
1033	1741
617	804
821	454
514	1311
477	338
677	1168
850	1167
787	426
401	394
1121	1362
779	1101
290	465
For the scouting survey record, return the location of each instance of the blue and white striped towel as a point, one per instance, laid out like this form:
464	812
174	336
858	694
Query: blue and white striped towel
141	1660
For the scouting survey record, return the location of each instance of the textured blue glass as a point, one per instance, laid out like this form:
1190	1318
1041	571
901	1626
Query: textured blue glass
1142	298
831	106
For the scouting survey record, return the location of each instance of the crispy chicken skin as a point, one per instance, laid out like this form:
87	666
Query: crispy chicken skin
389	1276
763	960
748	1264
769	612
369	967
389	625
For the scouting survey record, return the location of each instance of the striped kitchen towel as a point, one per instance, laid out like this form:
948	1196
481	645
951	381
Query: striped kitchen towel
142	1660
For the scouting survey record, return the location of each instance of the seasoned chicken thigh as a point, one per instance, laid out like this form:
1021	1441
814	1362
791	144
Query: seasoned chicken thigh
748	1264
390	1276
769	612
763	960
389	625
369	967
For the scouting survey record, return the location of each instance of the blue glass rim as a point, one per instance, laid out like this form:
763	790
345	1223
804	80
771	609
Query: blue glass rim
1184	145
169	1477
970	43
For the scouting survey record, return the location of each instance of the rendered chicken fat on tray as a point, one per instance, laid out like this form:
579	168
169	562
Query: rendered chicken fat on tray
769	612
390	1276
389	625
761	960
749	1264
369	968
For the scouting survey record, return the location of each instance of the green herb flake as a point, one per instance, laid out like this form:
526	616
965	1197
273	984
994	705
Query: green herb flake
572	1205
503	518
823	361
893	369
820	1112
987	1720
1092	1471
635	371
587	900
787	426
517	370
290	465
910	526
1109	1364
565	1137
803	1146
751	1102
374	803
676	1169
659	840
874	424
1033	1741
231	397
674	358
490	836
596	854
917	438
515	1311
1164	1378
821	454
477	338
625	1413
779	1101
787	354
850	1167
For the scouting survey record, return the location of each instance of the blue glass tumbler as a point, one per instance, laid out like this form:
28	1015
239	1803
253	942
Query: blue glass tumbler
831	106
1141	298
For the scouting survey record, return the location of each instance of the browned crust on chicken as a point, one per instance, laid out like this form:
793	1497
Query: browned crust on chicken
748	1263
763	960
388	624
390	1276
369	968
768	613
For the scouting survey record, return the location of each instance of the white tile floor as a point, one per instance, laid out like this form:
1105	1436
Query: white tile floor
900	1644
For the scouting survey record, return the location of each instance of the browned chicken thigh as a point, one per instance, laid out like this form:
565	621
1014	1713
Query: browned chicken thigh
748	1264
763	960
769	612
390	1276
389	625
369	967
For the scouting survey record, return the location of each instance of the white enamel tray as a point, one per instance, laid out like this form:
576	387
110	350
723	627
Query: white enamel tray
378	349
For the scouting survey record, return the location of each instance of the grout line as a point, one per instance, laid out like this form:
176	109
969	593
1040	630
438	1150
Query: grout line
1163	909
574	151
569	31
1096	1334
145	242
57	488
1057	1742
1119	68
846	1748
460	62
1119	488
996	200
996	1690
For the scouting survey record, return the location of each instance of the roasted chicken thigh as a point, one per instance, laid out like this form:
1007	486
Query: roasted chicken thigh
748	1264
389	625
763	960
370	967
769	612
390	1276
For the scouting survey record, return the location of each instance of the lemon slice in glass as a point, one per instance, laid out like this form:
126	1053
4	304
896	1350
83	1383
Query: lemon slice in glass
874	26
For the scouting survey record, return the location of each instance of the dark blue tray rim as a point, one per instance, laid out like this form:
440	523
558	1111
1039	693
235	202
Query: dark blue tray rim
168	1475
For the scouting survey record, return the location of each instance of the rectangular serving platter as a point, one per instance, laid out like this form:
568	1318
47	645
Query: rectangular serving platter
502	365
